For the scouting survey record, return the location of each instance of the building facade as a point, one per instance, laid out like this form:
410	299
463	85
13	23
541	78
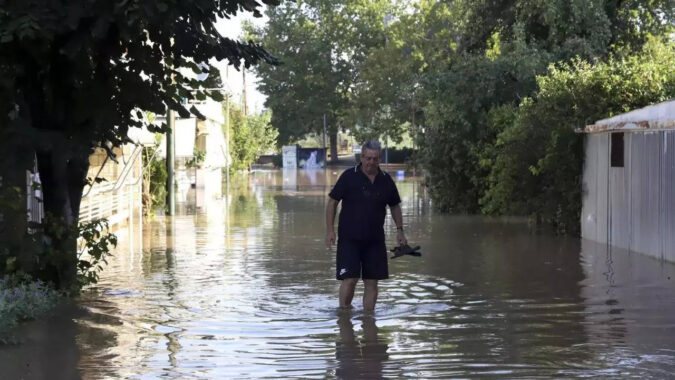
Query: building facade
199	179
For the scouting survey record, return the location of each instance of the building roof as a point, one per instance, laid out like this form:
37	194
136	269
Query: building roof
655	117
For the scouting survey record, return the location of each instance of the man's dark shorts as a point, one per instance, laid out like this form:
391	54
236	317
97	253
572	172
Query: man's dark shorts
361	259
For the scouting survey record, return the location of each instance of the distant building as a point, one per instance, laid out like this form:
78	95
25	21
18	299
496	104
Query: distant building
205	138
629	181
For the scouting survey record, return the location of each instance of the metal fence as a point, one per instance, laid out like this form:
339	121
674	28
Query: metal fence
117	199
633	206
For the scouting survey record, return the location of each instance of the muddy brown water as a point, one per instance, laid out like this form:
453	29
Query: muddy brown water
244	288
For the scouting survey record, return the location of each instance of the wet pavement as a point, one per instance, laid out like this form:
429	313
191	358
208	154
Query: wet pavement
244	289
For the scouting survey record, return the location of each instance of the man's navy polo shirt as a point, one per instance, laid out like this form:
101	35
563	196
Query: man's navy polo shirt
364	204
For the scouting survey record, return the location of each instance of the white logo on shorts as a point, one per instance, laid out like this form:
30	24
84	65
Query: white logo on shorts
343	271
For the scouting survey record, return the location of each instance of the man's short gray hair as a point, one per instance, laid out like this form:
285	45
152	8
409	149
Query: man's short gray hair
371	145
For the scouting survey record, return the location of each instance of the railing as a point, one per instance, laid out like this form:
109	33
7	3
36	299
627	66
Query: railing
114	200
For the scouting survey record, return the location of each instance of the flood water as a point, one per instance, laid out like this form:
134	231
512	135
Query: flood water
245	288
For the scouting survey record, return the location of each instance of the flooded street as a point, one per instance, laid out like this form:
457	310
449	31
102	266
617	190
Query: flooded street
244	288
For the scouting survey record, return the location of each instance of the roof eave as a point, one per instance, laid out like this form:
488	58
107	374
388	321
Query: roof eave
630	126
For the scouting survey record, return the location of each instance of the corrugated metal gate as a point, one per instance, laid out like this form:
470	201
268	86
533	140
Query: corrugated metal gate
633	206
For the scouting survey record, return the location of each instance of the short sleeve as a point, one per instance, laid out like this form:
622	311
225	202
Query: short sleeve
338	191
394	198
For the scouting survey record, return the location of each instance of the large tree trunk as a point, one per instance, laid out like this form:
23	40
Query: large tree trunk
13	216
63	178
16	254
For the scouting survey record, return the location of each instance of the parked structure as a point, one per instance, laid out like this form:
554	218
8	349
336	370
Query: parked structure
629	181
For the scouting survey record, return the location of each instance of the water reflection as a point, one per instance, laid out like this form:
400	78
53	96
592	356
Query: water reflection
626	304
245	289
40	340
359	358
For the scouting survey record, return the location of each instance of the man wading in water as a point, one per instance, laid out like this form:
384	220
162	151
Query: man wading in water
365	191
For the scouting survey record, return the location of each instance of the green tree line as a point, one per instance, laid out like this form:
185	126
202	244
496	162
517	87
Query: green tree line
491	90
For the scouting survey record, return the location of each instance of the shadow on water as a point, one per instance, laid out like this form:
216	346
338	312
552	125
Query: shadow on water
244	289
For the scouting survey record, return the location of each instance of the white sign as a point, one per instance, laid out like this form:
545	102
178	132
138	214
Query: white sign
289	154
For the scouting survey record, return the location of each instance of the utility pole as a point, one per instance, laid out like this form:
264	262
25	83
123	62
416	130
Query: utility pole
170	161
325	153
243	92
414	132
387	19
228	156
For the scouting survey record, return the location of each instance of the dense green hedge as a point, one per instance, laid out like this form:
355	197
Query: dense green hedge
527	159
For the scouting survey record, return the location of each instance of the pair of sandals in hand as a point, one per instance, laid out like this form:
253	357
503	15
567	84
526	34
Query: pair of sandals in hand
405	249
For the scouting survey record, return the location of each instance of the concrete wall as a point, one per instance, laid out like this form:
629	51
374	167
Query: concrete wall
631	207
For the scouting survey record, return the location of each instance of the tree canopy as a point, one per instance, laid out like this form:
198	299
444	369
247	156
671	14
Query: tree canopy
321	45
502	49
250	137
465	75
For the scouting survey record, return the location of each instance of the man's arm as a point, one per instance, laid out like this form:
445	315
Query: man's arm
397	215
331	209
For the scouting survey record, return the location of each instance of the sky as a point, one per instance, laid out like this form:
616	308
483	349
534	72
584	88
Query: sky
232	28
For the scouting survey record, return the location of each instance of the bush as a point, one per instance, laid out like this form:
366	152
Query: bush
21	299
154	182
458	125
538	158
398	156
277	160
251	136
97	241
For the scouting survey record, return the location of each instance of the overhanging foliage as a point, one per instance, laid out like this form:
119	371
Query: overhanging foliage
76	75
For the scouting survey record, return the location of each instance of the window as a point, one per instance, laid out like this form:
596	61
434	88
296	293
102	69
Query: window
616	155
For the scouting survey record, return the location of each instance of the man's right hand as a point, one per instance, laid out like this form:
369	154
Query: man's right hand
330	239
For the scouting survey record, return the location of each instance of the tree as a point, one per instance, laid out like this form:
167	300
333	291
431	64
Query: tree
321	45
77	75
251	137
501	48
384	97
538	157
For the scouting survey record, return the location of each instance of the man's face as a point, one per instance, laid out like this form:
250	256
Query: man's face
370	160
